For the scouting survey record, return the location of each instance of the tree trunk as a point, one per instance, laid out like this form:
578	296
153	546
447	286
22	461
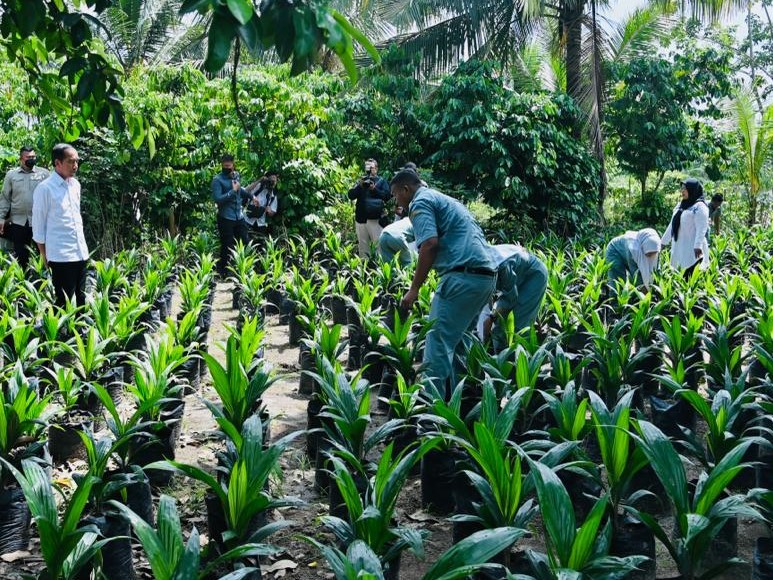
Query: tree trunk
752	216
598	116
570	23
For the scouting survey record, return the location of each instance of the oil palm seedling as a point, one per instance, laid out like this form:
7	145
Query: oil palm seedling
407	401
91	352
680	337
763	555
154	382
569	412
463	559
326	345
346	419
253	292
170	558
194	291
23	415
249	338
671	412
571	550
307	295
614	366
239	388
18	344
110	278
564	368
56	328
76	405
364	317
371	513
621	459
402	345
340	288
156	391
497	494
721	342
761	368
701	512
22	424
242	497
731	418
66	545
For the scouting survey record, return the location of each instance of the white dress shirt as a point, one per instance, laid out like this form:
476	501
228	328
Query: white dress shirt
693	226
57	221
263	199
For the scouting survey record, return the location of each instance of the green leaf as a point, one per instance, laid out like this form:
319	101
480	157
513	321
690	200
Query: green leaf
666	463
556	509
242	10
357	35
473	551
586	536
221	34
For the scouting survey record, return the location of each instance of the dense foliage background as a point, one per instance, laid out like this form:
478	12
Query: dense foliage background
535	141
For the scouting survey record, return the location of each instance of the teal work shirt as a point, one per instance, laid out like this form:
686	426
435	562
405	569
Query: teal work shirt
460	239
621	262
514	265
229	202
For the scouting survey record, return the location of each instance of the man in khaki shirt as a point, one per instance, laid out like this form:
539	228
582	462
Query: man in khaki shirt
16	203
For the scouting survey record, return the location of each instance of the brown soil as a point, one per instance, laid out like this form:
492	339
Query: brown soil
298	559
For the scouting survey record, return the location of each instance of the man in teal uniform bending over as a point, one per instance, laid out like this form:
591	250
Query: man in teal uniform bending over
452	243
395	240
522	279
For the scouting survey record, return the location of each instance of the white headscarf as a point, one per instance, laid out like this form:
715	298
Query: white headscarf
640	244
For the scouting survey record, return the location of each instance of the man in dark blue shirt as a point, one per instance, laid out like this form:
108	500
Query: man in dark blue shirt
230	198
371	193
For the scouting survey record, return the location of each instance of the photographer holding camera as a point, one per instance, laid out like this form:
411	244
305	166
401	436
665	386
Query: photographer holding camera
264	204
371	194
229	196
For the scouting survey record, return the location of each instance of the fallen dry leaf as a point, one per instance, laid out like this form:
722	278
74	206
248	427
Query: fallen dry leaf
280	565
422	516
13	556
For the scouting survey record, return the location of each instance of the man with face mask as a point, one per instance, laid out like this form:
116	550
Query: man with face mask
230	198
16	203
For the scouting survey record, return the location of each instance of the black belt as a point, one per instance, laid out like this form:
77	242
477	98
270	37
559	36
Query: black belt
479	271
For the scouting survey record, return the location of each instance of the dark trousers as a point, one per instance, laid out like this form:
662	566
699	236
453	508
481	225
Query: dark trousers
21	237
69	279
229	231
688	271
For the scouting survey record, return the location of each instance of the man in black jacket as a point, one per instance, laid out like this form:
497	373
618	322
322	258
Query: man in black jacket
372	193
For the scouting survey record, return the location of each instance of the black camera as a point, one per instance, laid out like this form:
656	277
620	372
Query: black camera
367	179
235	176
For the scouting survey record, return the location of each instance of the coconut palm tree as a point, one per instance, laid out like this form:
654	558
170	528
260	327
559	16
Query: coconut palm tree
446	32
150	32
755	131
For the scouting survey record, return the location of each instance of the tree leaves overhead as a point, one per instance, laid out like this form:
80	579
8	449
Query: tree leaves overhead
74	37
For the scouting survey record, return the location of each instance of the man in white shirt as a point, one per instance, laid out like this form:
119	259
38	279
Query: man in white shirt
16	203
57	226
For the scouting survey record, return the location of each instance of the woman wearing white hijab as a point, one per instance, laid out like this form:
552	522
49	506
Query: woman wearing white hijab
634	255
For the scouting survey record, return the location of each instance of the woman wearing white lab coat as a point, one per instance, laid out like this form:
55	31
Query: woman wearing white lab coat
687	231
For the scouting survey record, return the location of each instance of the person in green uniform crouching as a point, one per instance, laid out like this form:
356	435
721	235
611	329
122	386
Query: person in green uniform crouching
451	242
634	255
522	279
